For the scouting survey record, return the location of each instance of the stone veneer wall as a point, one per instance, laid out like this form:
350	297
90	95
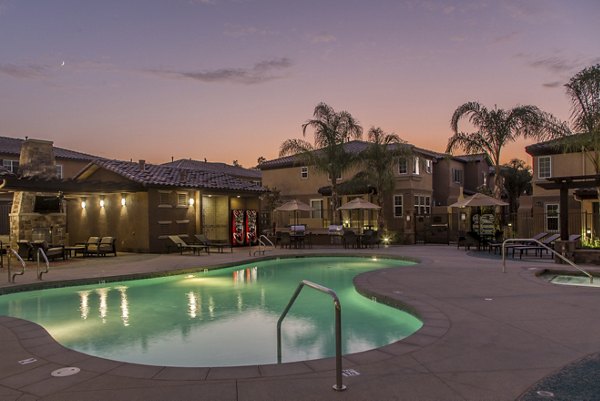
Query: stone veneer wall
37	162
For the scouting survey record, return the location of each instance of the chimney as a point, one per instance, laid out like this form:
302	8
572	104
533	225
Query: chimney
37	159
142	163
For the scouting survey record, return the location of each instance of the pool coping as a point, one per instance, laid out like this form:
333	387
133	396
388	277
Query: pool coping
42	346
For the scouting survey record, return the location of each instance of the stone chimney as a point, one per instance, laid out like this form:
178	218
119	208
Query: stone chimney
142	164
36	162
37	159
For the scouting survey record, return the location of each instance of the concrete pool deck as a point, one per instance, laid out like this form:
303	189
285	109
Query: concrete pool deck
487	335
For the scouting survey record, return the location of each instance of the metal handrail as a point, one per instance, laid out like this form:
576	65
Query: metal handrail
39	273
338	386
11	278
543	246
262	245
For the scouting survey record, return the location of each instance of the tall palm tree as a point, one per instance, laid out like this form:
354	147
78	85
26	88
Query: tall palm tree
584	90
497	127
331	130
379	159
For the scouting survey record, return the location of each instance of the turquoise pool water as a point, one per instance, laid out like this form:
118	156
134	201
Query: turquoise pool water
222	317
582	281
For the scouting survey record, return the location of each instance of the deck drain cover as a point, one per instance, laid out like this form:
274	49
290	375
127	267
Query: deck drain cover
62	372
350	372
27	361
548	394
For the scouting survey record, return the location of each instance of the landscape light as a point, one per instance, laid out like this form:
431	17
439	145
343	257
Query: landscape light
83	203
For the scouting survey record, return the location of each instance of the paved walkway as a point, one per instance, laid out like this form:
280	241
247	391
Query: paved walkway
487	335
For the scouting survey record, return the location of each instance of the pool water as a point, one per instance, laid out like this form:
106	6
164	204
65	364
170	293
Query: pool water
222	317
583	281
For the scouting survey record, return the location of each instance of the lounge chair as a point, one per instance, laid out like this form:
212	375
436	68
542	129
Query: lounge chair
498	244
548	241
184	246
203	240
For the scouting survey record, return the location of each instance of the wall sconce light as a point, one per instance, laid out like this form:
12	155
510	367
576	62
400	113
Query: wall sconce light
83	204
463	216
238	196
102	202
588	232
191	201
408	217
123	200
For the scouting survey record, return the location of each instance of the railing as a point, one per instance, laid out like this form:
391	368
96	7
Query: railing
338	386
11	278
543	246
263	242
40	272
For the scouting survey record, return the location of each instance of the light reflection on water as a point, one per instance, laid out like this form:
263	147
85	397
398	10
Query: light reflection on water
217	318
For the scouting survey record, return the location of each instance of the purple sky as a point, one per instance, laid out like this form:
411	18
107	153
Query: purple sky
232	79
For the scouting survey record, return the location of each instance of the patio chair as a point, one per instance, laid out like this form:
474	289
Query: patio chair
219	245
467	239
184	246
91	246
349	239
25	249
548	241
370	238
51	251
107	245
285	240
511	245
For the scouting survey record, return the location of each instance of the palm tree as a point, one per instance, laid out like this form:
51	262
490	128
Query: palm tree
517	181
584	90
379	159
497	127
331	130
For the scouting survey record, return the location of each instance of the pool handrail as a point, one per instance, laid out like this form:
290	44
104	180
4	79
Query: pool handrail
40	272
338	386
11	278
263	241
543	246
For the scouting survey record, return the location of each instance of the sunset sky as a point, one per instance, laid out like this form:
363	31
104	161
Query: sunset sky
232	79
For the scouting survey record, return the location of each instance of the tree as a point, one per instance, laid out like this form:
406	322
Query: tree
517	181
379	159
260	160
497	127
331	130
584	90
236	163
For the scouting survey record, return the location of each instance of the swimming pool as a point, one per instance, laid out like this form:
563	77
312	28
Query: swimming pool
223	317
576	280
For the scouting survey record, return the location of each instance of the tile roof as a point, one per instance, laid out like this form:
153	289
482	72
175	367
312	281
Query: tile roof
556	146
215	167
353	147
12	146
161	175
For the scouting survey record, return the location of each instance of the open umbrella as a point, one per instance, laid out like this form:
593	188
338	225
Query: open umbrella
359	204
294	206
479	200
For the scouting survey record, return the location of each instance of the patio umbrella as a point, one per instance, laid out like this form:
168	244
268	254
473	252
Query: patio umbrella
479	200
294	206
359	204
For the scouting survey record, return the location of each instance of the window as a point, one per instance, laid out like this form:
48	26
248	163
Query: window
428	166
416	165
402	166
457	176
422	204
398	206
317	205
552	217
182	199
544	167
304	172
11	165
59	173
164	199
